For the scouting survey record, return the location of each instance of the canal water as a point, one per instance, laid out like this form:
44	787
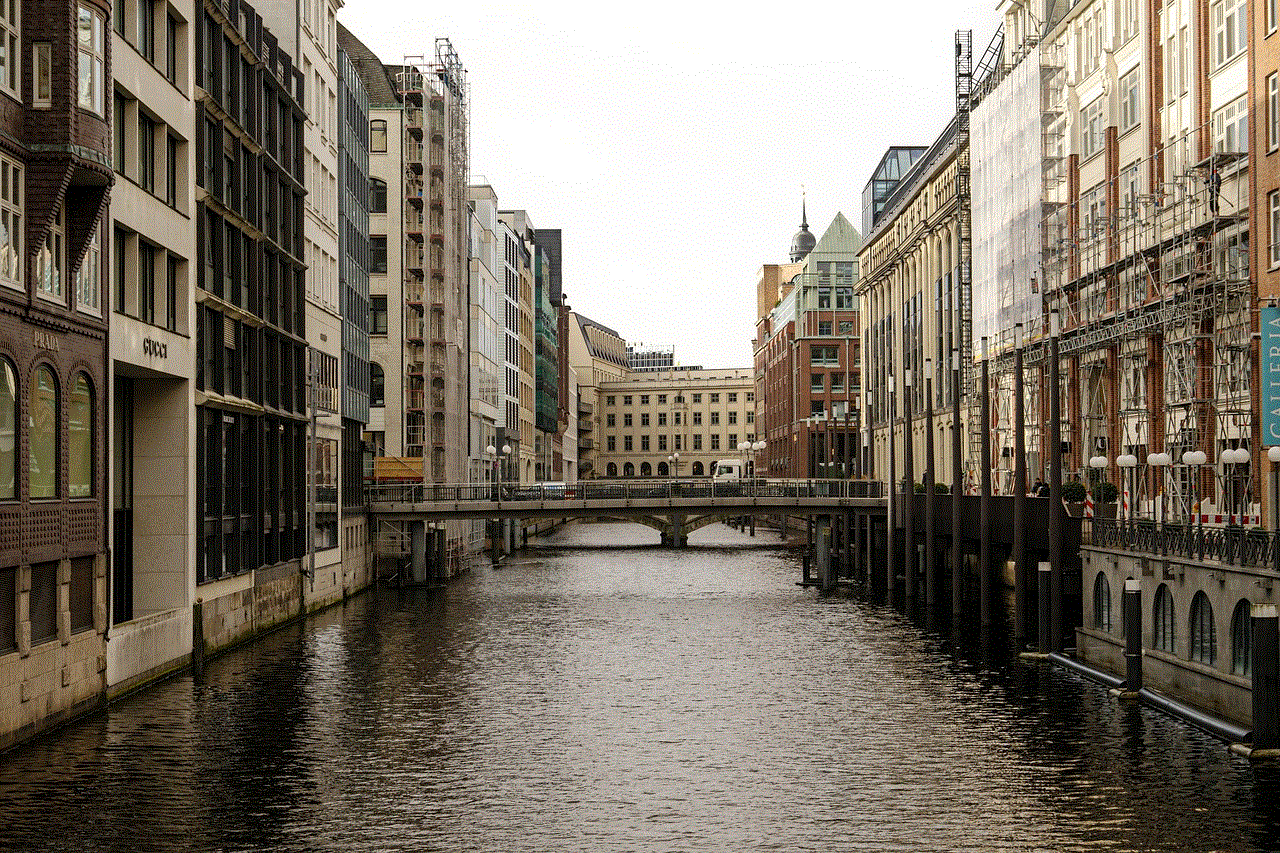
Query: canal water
599	693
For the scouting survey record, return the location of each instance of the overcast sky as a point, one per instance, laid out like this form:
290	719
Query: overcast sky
671	145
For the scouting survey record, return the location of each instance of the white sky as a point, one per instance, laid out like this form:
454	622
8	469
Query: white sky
671	146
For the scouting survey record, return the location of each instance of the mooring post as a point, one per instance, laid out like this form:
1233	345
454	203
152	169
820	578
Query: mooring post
822	552
930	525
197	638
418	546
1055	488
1266	677
957	490
495	545
1042	593
910	563
984	506
804	568
1132	614
1020	574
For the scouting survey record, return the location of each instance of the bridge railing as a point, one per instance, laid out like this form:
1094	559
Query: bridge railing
622	490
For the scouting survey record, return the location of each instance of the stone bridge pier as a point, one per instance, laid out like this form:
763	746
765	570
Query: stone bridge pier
675	533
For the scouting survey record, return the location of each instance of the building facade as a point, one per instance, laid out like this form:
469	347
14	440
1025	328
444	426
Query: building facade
597	354
674	423
55	180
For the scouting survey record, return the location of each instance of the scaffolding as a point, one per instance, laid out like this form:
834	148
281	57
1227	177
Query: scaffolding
1150	275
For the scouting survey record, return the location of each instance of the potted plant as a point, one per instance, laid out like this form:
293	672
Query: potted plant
1073	496
941	489
1104	500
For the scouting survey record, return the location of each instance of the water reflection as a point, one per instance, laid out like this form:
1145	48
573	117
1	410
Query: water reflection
599	692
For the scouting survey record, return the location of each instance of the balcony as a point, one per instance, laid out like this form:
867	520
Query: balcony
413	291
414	399
413	120
1234	546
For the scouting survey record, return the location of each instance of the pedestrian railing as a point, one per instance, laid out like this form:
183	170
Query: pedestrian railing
1230	545
414	493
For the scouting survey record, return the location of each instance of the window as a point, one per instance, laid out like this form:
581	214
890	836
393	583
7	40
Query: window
147	153
377	385
171	29
147	29
1204	641
171	148
1241	625
732	397
824	328
626	443
1273	239
1230	30
626	419
844	298
90	47
42	434
662	399
697	398
8	610
644	443
378	254
662	418
644	399
43	602
89	277
10	222
715	418
49	262
662	442
377	195
146	282
612	444
609	400
1273	113
80	599
378	136
1101	603
697	441
1162	623
377	315
1231	126
611	419
80	439
626	399
837	383
715	398
172	277
9	47
824	355
697	418
1091	129
644	419
817	383
42	86
751	396
117	133
8	438
1130	103
733	417
1271	16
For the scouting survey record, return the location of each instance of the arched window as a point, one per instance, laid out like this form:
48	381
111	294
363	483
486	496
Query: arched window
378	136
42	434
1242	639
80	439
697	469
1204	639
628	470
611	470
1101	602
646	470
1162	621
663	470
377	385
8	431
377	195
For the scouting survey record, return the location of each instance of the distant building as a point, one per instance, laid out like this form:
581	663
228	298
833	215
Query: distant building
597	354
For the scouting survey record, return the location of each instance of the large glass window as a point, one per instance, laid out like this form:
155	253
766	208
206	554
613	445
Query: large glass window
1162	621
42	434
1091	128
50	260
1242	639
378	254
80	439
9	31
1231	126
8	435
377	195
89	277
10	222
1204	639
1230	30
91	52
378	136
1130	102
42	63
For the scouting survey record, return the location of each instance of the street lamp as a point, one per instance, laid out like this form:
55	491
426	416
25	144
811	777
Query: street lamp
673	461
1127	463
1196	458
1273	454
1236	456
1158	462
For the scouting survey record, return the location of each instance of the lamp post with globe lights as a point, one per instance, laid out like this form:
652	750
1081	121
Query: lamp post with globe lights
1158	462
1195	459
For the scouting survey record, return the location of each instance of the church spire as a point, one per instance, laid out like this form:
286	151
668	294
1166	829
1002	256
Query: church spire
803	242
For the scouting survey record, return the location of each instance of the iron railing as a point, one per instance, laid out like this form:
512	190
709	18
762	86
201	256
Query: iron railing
1230	545
621	490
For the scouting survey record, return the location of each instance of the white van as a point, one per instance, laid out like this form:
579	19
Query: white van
728	469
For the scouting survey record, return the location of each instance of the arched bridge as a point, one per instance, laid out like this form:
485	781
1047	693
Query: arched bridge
675	508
